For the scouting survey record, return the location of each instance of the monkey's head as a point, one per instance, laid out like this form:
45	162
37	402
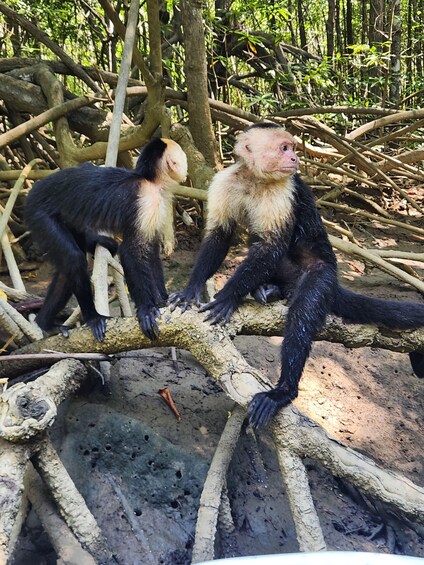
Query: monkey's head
174	162
268	151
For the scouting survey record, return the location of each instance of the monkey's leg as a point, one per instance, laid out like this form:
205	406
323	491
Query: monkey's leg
310	304
58	294
70	261
266	293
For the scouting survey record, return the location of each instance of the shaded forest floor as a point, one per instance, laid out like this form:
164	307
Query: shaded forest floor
142	472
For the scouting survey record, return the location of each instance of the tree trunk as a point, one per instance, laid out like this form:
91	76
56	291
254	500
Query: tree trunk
200	121
395	53
301	22
376	39
330	27
350	40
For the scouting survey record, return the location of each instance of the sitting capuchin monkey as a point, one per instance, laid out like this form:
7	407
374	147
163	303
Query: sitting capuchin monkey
289	255
67	211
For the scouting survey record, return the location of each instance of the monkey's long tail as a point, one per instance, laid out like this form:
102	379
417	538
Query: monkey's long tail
365	309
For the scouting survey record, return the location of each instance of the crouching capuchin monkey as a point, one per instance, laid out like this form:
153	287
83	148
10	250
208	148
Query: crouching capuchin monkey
289	252
66	211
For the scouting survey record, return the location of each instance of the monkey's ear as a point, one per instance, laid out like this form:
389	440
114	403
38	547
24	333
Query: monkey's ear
247	147
171	164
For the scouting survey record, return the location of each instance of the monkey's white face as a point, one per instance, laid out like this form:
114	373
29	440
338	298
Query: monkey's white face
268	152
175	161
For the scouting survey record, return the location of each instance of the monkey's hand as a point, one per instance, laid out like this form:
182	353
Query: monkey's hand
146	316
265	405
221	308
267	293
184	299
97	324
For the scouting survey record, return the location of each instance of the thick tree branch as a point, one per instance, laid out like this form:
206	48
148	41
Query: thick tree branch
123	334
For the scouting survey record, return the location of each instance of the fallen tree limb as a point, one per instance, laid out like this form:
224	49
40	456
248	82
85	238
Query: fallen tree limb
26	411
123	334
70	502
377	260
13	461
386	486
64	542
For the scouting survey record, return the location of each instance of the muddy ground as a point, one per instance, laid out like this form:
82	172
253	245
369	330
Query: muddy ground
141	472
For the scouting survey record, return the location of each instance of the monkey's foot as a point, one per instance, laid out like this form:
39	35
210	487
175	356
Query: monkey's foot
261	410
97	326
265	405
56	329
267	293
147	319
64	330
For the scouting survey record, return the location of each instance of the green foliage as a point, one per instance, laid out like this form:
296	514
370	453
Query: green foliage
58	18
249	44
261	14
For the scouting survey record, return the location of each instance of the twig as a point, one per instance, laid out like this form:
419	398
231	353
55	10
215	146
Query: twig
359	212
32	331
166	395
392	253
12	266
135	524
36	356
353	249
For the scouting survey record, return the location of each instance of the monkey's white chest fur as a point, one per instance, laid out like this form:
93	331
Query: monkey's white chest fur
269	209
153	205
265	206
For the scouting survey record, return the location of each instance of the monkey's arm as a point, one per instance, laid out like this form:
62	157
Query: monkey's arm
258	267
212	252
136	258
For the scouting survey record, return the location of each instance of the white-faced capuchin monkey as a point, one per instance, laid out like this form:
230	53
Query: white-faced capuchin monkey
66	211
289	252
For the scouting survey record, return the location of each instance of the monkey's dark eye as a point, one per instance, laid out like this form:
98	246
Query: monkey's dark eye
284	147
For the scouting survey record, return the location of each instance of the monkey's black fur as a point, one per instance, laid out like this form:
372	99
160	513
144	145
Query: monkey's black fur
298	262
65	212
